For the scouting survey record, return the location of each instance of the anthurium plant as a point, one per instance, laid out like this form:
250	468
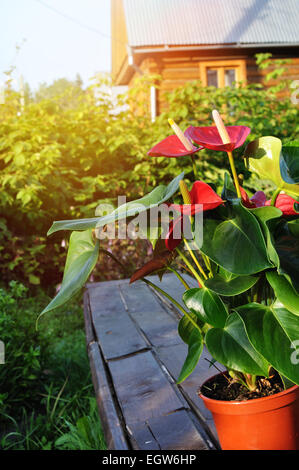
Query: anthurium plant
245	258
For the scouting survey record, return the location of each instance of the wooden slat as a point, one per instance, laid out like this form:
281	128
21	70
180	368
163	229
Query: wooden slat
143	355
142	438
173	359
111	423
115	331
142	388
176	431
172	285
159	326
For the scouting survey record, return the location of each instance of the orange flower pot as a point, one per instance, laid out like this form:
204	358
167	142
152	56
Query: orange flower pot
269	423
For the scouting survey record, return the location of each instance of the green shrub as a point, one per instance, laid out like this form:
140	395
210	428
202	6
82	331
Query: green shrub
46	389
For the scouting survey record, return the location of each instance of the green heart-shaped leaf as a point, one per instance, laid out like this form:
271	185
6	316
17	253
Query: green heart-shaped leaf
284	291
235	286
289	164
156	197
81	259
193	338
287	247
231	347
206	305
267	217
236	243
272	332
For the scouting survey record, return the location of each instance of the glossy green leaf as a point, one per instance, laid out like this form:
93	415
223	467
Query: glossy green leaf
289	164
287	247
206	305
193	338
263	155
294	227
81	259
284	291
156	197
75	225
267	217
231	347
236	243
272	332
235	286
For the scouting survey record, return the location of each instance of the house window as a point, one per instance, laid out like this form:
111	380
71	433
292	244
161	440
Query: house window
222	73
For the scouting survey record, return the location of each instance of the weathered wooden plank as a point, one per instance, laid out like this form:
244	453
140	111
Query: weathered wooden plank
176	431
173	286
141	437
110	420
115	331
142	388
158	325
146	397
173	358
103	284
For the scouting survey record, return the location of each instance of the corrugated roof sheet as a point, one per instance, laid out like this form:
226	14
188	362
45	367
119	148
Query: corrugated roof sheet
207	22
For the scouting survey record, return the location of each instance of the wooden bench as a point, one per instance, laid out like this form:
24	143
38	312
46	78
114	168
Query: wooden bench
135	357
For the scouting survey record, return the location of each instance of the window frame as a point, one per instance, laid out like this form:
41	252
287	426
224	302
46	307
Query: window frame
221	65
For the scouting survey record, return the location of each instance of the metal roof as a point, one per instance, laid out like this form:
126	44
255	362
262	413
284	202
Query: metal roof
212	22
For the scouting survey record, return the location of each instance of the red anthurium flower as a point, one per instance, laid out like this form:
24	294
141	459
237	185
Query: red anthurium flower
209	137
201	193
245	199
257	200
285	203
171	147
203	198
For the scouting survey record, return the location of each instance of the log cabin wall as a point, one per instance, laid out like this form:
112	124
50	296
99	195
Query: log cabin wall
178	68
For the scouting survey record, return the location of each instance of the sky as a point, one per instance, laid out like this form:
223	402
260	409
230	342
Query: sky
51	45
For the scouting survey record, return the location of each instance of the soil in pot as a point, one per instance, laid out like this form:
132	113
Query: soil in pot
223	387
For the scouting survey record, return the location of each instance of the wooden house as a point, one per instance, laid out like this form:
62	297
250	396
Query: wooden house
211	40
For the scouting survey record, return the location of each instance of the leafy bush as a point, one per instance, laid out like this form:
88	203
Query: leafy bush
46	389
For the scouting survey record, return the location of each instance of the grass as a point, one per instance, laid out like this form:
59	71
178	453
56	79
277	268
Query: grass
46	397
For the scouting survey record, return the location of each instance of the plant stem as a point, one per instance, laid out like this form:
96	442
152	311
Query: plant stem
234	172
179	277
173	301
226	140
274	197
195	259
195	274
194	167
